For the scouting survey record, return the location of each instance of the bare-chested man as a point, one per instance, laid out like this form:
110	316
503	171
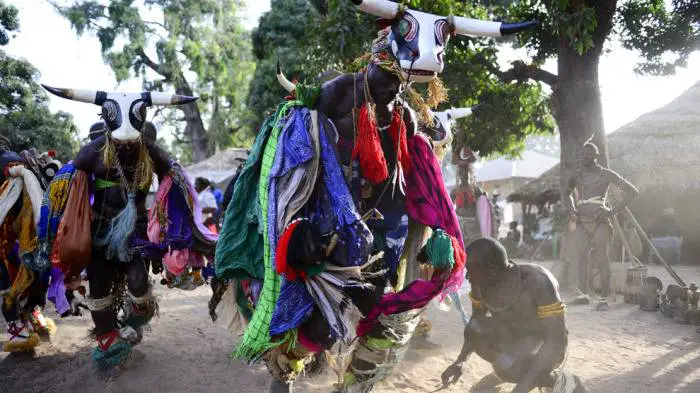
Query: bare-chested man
588	208
518	322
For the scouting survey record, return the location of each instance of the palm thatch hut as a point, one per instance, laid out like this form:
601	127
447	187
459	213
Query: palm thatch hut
220	167
659	153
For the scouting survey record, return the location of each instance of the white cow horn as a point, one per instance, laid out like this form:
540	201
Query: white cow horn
458	113
381	8
158	98
476	27
289	86
89	96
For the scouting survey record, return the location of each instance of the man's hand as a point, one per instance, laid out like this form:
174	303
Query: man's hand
452	374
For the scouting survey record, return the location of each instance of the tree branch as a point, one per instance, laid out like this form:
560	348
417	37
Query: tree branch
605	12
148	22
152	64
520	72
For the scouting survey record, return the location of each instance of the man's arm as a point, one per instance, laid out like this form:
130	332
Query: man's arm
454	371
628	189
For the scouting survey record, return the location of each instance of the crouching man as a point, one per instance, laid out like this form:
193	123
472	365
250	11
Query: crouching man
518	322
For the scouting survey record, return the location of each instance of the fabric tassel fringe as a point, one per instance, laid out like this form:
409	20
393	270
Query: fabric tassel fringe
337	308
368	148
120	230
439	250
437	93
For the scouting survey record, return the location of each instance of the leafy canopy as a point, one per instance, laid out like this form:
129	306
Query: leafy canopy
196	46
311	38
25	118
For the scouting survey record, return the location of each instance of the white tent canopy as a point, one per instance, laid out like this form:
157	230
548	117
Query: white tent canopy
530	165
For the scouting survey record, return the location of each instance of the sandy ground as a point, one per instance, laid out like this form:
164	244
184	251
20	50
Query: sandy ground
623	350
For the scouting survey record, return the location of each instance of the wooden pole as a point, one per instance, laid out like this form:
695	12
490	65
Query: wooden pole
670	271
625	245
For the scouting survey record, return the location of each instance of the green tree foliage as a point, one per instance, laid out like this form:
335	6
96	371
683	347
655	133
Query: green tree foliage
575	33
518	98
199	47
25	118
311	38
667	48
279	35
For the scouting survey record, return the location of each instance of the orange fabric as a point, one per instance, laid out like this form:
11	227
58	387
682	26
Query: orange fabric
74	238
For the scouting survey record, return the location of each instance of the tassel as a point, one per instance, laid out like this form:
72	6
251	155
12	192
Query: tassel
398	135
109	153
418	104
144	171
368	148
439	250
120	230
437	93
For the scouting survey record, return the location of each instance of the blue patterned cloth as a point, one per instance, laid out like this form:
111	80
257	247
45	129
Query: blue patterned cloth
334	211
390	233
295	149
51	216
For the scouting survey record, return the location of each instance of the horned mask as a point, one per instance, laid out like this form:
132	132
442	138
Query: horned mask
123	113
417	39
446	119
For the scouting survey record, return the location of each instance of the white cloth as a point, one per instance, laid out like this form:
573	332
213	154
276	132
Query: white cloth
9	197
207	199
32	186
230	317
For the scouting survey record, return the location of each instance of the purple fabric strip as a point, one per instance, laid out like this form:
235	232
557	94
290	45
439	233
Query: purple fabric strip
57	291
197	210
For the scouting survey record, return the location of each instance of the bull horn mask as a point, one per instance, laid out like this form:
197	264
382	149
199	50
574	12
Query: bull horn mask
286	83
417	39
447	118
123	113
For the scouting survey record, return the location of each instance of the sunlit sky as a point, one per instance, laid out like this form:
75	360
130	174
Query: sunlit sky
47	41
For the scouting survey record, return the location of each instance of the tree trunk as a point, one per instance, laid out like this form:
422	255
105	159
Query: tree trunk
194	130
576	98
577	109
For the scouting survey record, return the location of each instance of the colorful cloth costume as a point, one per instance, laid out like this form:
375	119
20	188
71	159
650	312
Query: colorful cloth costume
111	236
355	215
23	277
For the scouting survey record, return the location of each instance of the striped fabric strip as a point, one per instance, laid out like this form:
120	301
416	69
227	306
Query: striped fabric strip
257	338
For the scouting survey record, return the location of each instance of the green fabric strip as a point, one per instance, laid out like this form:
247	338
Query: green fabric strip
239	251
256	339
101	184
439	250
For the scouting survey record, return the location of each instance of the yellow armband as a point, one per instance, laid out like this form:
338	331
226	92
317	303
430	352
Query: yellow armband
551	310
476	303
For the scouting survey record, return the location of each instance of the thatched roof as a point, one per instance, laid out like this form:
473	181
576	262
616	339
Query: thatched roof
220	167
657	151
545	186
529	165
